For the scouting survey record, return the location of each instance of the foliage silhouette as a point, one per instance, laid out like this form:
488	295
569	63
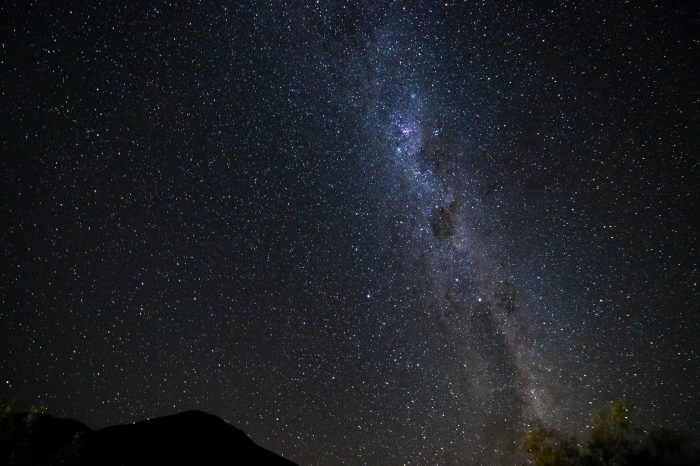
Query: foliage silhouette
613	440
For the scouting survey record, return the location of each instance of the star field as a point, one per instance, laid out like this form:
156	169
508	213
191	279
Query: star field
362	232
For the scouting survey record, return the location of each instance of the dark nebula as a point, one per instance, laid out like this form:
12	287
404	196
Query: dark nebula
362	232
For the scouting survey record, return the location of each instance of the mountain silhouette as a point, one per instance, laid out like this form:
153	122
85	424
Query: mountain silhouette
191	437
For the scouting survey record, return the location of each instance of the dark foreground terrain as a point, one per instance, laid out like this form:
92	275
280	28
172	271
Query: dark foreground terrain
191	437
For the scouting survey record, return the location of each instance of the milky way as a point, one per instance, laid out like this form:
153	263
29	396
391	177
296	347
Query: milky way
363	232
463	288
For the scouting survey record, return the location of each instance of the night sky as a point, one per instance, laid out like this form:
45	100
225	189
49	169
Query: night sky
365	232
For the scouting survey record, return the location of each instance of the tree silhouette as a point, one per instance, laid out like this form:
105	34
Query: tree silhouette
34	438
549	447
613	440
